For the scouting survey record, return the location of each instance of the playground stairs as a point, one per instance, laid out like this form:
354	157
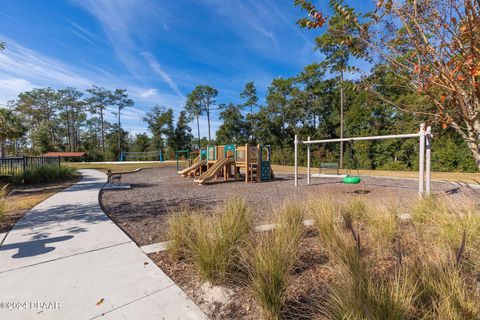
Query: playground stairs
253	172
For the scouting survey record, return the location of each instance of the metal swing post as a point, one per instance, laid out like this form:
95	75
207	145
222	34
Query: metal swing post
296	160
308	162
421	161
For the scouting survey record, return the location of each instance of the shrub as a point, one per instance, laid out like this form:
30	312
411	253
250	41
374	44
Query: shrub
44	174
212	242
271	257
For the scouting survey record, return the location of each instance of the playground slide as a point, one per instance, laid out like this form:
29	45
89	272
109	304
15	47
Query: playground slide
213	171
195	166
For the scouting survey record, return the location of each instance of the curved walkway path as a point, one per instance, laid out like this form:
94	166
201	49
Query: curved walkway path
65	259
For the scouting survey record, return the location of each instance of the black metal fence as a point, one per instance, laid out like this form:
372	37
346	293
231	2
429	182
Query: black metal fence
18	165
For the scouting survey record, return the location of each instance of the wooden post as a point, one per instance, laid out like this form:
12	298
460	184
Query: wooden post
259	163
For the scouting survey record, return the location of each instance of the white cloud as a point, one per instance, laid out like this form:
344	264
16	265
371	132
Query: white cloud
114	18
165	76
148	93
85	31
81	36
122	22
23	63
23	69
10	87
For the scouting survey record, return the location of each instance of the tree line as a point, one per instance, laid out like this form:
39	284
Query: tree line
68	119
414	78
307	104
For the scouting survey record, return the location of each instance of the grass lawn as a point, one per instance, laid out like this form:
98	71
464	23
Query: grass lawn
120	166
473	178
25	198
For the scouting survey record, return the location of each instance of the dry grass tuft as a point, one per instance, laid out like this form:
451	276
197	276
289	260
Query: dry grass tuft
380	266
213	243
390	269
271	257
180	233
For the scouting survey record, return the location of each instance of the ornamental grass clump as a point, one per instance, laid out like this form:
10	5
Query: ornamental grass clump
212	242
180	233
386	268
270	259
218	239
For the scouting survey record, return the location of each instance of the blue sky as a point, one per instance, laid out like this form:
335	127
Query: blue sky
158	50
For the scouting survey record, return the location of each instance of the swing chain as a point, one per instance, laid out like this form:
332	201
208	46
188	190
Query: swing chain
353	160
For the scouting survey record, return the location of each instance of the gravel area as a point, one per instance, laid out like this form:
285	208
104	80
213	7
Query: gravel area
157	192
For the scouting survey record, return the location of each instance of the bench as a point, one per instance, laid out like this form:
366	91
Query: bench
112	176
329	165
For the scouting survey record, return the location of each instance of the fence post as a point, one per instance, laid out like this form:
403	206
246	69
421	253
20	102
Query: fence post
24	164
59	165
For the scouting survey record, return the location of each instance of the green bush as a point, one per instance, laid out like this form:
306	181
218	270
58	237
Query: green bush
44	174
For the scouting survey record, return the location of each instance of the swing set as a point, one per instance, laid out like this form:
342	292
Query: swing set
424	174
349	178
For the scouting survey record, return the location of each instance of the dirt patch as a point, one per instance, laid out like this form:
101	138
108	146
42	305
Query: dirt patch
155	193
23	198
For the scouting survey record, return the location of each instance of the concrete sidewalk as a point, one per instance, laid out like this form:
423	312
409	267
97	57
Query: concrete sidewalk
65	259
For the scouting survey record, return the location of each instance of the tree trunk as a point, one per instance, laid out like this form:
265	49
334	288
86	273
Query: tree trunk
251	125
69	135
198	131
103	132
208	120
341	119
472	137
2	148
119	133
52	136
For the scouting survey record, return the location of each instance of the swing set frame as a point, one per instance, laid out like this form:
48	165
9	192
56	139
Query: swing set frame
425	149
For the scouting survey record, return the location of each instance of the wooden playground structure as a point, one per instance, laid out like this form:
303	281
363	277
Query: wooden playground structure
245	162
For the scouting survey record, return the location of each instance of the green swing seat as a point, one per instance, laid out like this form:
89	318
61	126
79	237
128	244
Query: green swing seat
352	179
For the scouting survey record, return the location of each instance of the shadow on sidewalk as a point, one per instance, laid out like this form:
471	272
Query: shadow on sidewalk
34	247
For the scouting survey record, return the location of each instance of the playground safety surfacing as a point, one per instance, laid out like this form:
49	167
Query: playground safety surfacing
142	211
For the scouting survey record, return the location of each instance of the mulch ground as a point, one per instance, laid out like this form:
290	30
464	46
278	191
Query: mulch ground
143	210
155	193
